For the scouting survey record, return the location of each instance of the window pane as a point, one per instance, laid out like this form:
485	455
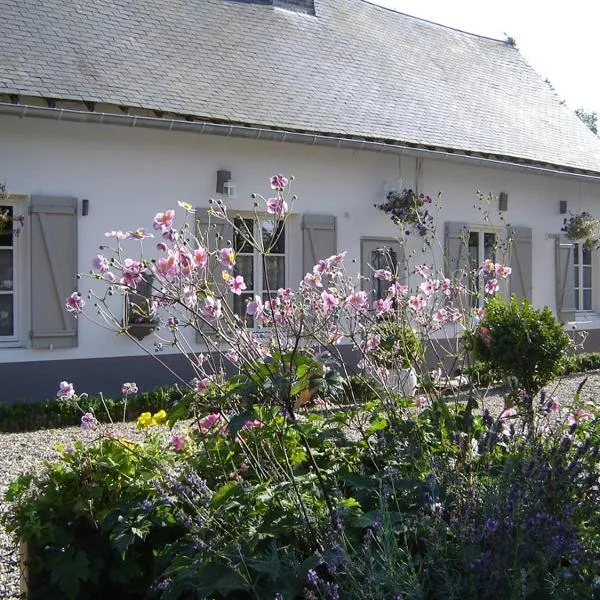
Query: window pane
6	315
6	269
587	277
239	307
489	246
244	226
383	258
273	236
576	254
586	255
576	296
474	250
244	266
274	274
6	230
587	299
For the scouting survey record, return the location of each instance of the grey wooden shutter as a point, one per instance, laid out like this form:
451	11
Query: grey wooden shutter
565	279
318	239
455	247
224	232
53	270
521	262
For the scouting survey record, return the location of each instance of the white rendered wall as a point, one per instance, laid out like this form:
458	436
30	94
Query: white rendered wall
130	174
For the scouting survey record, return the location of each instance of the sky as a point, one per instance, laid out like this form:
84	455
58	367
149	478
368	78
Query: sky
560	40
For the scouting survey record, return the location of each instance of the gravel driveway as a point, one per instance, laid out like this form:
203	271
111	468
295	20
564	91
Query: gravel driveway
20	452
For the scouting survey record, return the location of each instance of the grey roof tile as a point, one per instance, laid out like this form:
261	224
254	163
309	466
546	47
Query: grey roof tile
354	69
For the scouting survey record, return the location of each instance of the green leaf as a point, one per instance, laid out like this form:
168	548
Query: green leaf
361	482
224	493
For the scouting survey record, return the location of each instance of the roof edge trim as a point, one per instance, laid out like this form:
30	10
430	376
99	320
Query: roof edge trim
290	135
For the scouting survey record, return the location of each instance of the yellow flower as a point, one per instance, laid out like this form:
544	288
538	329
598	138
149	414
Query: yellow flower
144	421
159	418
187	206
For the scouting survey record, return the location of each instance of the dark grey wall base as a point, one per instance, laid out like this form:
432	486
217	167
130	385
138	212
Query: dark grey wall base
39	380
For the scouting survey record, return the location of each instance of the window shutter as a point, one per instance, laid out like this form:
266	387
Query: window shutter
53	271
318	239
521	262
565	279
457	257
221	229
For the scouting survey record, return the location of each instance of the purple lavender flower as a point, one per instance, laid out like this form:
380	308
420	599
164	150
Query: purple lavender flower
312	577
332	591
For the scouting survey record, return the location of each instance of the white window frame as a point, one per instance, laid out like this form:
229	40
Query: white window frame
501	238
257	263
17	202
578	282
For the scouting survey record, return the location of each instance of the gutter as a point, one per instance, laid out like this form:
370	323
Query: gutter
278	135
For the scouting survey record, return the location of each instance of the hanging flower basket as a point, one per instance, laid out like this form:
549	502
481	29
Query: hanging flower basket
408	209
8	222
583	227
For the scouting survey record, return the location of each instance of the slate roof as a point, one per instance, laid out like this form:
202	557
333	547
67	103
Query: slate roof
354	69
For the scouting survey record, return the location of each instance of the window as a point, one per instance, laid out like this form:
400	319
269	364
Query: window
582	262
7	271
482	246
379	254
263	275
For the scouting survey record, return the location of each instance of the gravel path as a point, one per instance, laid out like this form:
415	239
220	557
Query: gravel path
21	452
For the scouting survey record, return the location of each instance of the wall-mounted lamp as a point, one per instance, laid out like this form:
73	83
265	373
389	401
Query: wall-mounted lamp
562	207
503	201
85	207
223	177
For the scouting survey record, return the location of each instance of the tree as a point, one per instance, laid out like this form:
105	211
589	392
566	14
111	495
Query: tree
589	118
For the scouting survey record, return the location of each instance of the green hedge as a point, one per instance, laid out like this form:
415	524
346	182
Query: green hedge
51	414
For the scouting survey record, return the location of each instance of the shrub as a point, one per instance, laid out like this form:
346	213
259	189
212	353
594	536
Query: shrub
516	340
581	363
93	521
399	348
49	414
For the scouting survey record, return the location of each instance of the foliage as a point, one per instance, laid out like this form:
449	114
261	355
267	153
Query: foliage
408	209
581	363
589	118
48	414
518	341
92	520
399	346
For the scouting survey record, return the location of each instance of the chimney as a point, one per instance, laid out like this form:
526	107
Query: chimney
299	6
303	6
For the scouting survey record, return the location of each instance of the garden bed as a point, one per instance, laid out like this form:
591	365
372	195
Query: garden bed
21	452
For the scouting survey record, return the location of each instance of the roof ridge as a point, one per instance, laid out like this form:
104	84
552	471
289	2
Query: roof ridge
398	12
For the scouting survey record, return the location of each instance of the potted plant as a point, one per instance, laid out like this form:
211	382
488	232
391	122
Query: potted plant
583	227
407	208
398	352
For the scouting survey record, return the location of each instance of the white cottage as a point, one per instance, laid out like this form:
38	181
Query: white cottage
112	110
